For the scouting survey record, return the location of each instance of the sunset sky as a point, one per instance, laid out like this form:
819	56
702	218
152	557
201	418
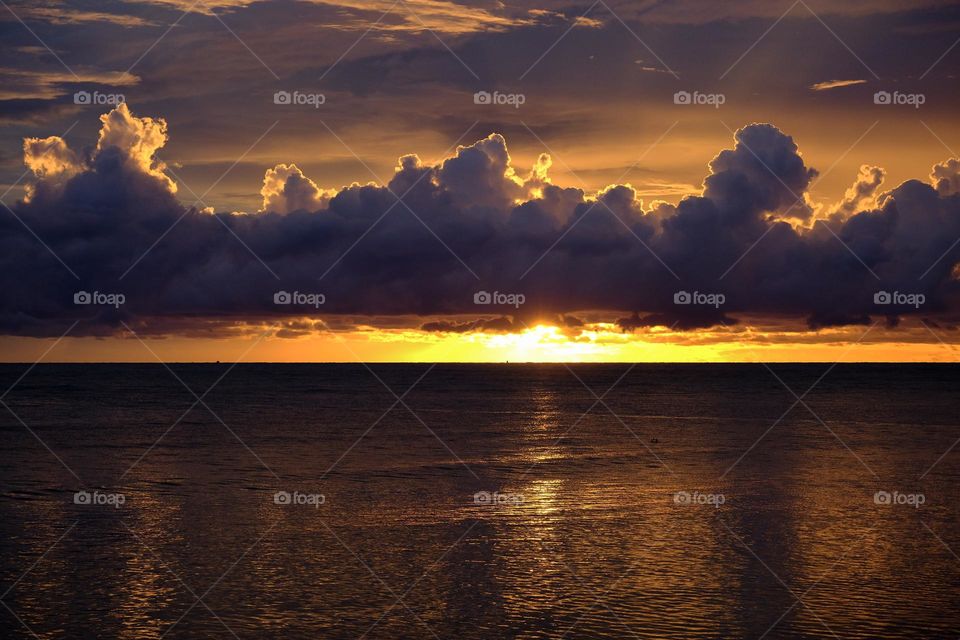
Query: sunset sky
627	180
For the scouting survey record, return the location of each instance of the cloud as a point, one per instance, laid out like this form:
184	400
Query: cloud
471	222
55	13
411	15
21	84
286	189
946	177
861	194
835	84
133	142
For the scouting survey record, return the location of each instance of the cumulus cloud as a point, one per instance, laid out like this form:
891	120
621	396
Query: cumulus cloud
946	177
134	141
861	194
286	189
50	159
470	223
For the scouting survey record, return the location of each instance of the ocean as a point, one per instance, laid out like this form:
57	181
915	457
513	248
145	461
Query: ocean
479	501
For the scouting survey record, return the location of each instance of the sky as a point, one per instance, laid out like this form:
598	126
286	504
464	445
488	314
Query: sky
427	180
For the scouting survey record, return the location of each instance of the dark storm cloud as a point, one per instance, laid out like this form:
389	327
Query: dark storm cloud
468	226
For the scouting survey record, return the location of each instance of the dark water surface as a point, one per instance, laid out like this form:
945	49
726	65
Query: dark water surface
634	516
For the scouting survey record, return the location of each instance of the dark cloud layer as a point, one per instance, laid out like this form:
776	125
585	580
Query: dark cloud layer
469	224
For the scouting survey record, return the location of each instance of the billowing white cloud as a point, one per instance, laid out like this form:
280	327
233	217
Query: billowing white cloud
946	177
286	189
861	194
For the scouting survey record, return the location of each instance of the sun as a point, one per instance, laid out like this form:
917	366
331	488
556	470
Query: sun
542	343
